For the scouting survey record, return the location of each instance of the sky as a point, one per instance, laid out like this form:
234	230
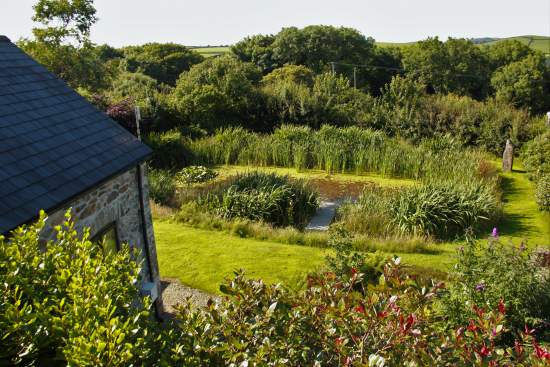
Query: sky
219	22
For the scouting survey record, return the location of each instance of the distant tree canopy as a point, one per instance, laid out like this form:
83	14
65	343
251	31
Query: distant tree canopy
455	66
161	61
217	92
523	83
317	47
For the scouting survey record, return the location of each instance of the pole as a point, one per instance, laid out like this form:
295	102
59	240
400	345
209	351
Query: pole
355	77
137	112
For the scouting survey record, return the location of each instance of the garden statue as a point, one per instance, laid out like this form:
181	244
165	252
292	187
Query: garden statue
508	157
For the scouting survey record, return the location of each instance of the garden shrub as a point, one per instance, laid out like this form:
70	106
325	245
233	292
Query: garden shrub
264	197
68	303
65	302
162	186
485	275
195	174
536	156
344	321
169	150
542	193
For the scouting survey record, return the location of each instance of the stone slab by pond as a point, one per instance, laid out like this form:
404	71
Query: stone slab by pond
324	216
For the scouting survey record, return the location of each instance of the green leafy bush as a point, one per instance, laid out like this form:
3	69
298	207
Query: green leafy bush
169	150
536	156
542	193
195	174
485	275
264	197
344	321
162	186
65	302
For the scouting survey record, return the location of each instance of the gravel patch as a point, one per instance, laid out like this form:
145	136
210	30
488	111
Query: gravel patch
174	293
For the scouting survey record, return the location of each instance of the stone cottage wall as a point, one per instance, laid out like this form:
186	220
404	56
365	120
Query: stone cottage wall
115	201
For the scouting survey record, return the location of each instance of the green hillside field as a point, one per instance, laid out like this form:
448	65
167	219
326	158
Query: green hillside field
540	43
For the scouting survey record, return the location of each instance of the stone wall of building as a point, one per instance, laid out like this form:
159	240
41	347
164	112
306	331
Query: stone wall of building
116	201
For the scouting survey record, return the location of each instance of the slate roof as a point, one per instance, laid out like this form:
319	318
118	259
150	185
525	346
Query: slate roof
54	145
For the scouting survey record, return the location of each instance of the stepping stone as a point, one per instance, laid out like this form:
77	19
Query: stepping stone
324	216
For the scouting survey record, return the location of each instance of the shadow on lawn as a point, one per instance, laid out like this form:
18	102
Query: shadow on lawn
514	224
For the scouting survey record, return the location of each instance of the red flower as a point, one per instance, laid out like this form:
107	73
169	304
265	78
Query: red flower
353	271
360	309
472	326
408	323
484	351
382	314
501	307
541	353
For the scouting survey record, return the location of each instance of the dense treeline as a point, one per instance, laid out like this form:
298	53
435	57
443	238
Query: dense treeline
311	76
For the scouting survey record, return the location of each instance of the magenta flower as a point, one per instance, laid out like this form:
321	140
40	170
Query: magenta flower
494	234
480	287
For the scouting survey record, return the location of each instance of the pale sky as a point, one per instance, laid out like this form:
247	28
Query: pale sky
214	22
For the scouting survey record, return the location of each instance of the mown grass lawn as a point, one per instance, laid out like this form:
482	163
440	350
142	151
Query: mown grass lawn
202	259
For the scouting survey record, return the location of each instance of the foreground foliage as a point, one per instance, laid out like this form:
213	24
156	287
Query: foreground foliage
68	303
65	302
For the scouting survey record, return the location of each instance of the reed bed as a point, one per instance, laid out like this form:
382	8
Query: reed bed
334	149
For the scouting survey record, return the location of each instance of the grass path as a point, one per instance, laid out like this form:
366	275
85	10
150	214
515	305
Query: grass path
522	219
202	259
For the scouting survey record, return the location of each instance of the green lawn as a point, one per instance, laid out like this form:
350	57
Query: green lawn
202	259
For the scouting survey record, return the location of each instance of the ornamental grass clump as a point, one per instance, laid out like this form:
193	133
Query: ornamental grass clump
263	197
441	211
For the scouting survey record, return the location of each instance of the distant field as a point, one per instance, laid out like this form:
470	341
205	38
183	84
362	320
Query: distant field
540	43
211	51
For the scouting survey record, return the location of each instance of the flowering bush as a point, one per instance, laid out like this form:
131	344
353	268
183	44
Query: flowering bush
195	174
542	193
339	321
484	275
68	303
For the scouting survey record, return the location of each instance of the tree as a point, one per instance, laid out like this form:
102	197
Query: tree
64	19
521	83
456	66
290	73
80	67
506	52
256	49
63	46
161	61
217	92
